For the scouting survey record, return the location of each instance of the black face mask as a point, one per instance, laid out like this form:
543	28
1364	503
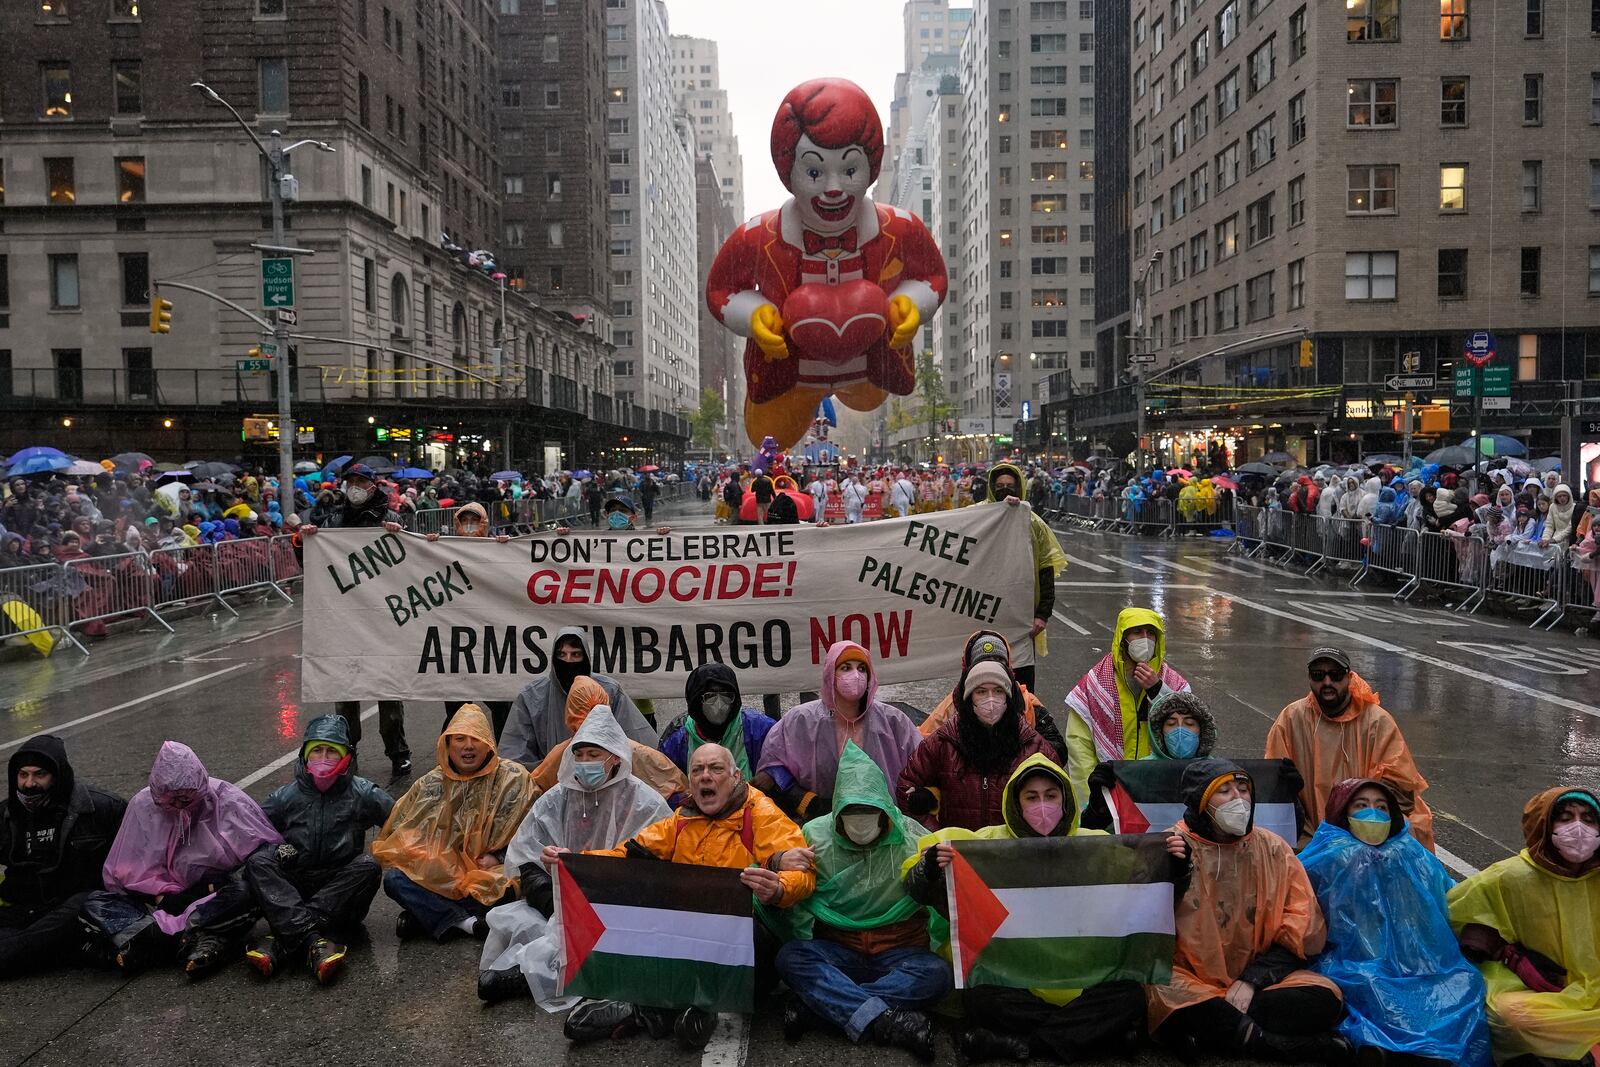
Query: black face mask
567	673
1003	491
33	797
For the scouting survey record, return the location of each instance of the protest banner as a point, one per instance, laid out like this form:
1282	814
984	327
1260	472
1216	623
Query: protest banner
395	616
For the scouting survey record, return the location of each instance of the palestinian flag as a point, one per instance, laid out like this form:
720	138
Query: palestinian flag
1061	913
665	935
1144	796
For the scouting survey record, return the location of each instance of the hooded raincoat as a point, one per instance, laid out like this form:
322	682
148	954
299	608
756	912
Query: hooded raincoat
43	869
803	749
1049	562
1168	707
1407	987
161	849
575	818
1362	741
537	721
745	733
1107	709
1536	899
447	820
649	765
1249	913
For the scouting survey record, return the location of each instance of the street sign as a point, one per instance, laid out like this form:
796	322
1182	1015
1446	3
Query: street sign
1496	403
1591	429
1466	378
1400	383
1410	362
277	282
288	316
1142	357
1479	349
252	364
1497	381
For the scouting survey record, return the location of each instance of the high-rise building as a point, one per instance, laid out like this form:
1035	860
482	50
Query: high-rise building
934	32
721	350
1113	221
1026	265
655	290
1383	177
697	81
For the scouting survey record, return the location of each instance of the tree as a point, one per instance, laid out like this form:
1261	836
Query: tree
933	400
705	422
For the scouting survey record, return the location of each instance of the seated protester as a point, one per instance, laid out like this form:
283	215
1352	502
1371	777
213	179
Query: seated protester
1181	727
717	716
1246	926
649	765
1337	731
595	803
174	879
442	846
1530	922
863	964
1109	707
316	887
726	822
1409	995
953	778
538	719
801	753
988	644
55	832
1015	1024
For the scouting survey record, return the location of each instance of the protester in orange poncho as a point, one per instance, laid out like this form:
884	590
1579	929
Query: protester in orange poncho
649	766
1246	926
1340	731
443	845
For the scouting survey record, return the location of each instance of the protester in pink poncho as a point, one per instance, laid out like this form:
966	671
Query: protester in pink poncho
174	877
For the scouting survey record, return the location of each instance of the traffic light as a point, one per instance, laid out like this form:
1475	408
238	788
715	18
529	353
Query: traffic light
160	314
254	353
1307	353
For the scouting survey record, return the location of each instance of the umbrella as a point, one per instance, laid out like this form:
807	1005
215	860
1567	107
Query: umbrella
1224	482
1451	456
306	466
335	466
212	469
379	464
206	487
1381	458
1498	444
580	476
175	476
1519	467
36	450
1263	469
506	476
648	468
1548	464
84	468
1181	472
39	465
1278	459
132	460
412	472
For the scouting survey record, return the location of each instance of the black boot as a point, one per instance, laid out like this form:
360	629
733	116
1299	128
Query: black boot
910	1030
694	1028
978	1045
596	1020
1326	1047
505	984
205	954
797	1018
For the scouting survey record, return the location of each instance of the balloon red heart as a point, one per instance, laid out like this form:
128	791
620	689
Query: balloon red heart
835	323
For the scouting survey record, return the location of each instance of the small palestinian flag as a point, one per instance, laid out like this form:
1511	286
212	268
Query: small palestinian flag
1061	913
1145	796
664	935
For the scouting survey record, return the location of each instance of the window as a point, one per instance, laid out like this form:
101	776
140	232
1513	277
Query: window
1199	186
1297	284
1228	95
1046	139
1533	21
1594	184
1200	52
1297	201
1371	190
1530	271
1452	273
1047	42
1594	271
60	180
1178	197
1297	36
366	186
369	286
1197	317
1452	187
1228	167
69	372
274	88
1259	221
513	185
556	235
1594	89
1047	107
64	281
1532	99
1259	298
1178	263
1297	119
1263	65
1452	101
1047	75
1263	140
552	95
1227	24
1227	238
1158	215
1226	316
140	368
1199	120
1532	182
1370	275
550	51
57	79
510	95
127	87
1372	20
1050	235
1452	20
135	278
1374	103
130	180
1199	254
552	185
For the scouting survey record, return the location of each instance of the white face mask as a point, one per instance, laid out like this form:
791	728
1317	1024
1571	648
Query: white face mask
1232	817
357	494
717	707
861	828
1142	649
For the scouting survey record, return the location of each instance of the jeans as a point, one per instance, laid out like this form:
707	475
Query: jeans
850	989
436	914
120	918
391	725
305	902
34	939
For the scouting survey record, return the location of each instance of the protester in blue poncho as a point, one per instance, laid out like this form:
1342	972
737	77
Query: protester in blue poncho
1410	996
1387	512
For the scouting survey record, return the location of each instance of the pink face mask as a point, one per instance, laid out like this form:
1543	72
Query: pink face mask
1042	815
851	685
325	770
1576	841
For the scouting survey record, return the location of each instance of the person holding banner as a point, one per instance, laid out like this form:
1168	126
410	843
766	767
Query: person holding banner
801	753
596	802
717	715
1016	1024
862	962
1005	482
1246	926
538	719
649	765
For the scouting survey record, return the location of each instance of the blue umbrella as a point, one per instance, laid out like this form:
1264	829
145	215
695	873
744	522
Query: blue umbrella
581	475
334	466
38	465
506	476
412	472
35	450
1498	444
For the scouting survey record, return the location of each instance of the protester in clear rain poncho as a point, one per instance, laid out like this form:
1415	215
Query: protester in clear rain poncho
174	878
649	765
1410	996
1532	923
596	803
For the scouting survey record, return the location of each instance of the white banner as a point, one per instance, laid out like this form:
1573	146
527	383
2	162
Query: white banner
392	615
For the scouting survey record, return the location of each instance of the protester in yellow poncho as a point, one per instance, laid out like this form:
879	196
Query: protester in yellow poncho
1532	924
1005	484
443	845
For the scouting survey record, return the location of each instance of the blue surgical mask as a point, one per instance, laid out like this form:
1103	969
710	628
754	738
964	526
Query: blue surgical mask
617	520
591	774
1371	825
1181	742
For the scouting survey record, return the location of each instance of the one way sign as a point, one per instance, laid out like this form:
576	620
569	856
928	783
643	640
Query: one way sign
1402	383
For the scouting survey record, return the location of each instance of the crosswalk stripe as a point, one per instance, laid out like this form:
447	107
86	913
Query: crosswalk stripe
1086	565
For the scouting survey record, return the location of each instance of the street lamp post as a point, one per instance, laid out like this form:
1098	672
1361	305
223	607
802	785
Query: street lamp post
276	155
1138	369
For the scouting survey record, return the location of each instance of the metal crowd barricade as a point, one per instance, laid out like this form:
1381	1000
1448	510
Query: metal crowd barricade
116	587
1156	515
1247	529
1581	589
1277	534
38	598
1308	539
1450	562
1393	550
1342	543
1530	574
286	566
244	565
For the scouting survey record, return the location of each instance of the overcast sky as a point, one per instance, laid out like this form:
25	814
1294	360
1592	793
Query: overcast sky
767	47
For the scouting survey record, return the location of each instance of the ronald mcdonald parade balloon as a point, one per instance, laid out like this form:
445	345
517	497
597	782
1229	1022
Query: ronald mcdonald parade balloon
831	288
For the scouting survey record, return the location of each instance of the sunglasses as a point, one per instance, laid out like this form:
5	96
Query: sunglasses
1332	674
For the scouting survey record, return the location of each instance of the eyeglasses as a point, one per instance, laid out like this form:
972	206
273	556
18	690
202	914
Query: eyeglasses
1332	674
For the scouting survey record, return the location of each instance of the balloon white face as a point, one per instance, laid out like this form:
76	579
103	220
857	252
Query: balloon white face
828	185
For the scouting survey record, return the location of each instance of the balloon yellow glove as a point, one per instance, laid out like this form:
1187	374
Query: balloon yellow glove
766	329
904	321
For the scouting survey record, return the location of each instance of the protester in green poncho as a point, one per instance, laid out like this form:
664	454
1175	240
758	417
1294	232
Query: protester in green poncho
716	716
864	964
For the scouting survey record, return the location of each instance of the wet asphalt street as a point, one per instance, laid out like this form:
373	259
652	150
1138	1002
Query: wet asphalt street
1493	712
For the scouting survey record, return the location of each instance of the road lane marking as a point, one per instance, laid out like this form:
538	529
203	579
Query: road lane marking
730	1043
1074	561
1161	562
267	633
1119	561
125	705
1454	862
1079	629
287	758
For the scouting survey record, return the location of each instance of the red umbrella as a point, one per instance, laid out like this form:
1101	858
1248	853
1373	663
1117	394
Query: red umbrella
1181	472
1224	483
648	468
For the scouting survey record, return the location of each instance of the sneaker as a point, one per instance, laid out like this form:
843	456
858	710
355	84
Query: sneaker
401	765
903	1028
204	956
694	1028
263	956
325	960
797	1018
504	984
978	1044
407	927
480	929
596	1020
